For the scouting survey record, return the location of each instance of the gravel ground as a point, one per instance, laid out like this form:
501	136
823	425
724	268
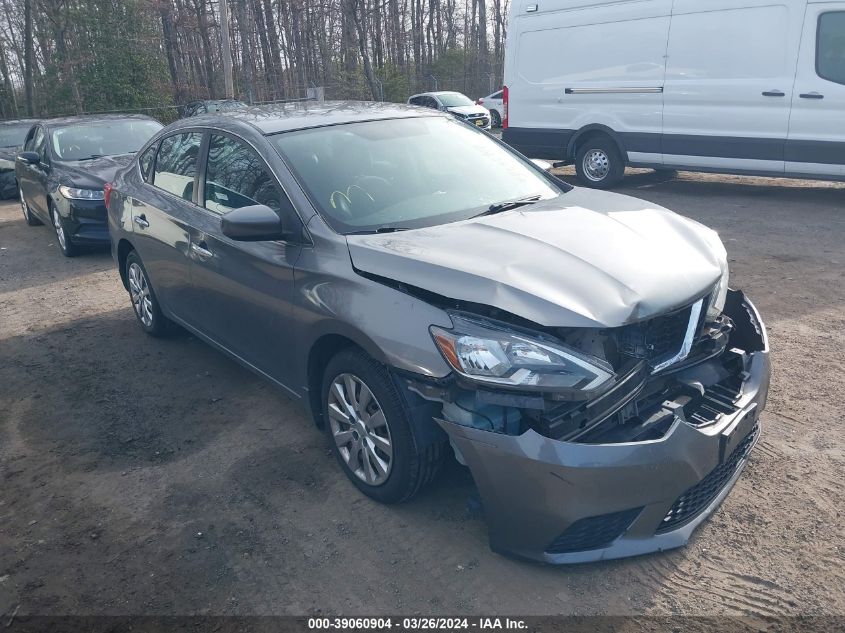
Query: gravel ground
141	476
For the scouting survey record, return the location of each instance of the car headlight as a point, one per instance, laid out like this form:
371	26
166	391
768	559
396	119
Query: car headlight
716	304
491	354
72	193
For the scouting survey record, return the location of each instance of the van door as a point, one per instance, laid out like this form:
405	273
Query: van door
729	77
816	144
574	65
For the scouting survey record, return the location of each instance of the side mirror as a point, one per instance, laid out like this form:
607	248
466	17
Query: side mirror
542	164
30	158
255	223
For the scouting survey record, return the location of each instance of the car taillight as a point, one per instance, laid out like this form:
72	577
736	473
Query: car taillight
107	193
504	107
479	102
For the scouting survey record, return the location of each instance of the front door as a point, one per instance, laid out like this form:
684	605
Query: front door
33	180
242	291
816	144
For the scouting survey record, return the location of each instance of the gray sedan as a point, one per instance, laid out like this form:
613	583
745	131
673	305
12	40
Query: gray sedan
424	291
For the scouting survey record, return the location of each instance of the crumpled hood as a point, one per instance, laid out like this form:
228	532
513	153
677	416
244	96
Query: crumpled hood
586	259
96	172
468	110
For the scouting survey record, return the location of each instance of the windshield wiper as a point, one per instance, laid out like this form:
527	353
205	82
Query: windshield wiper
381	229
91	157
511	204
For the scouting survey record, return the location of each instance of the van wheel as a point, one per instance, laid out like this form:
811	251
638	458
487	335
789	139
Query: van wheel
371	432
599	163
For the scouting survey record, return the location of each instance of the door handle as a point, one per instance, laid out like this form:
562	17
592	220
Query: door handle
811	95
140	220
201	250
774	93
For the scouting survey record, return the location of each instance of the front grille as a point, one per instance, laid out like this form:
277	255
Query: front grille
693	501
717	400
472	118
656	338
593	532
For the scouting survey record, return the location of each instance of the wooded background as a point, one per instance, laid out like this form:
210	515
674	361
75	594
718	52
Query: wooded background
81	56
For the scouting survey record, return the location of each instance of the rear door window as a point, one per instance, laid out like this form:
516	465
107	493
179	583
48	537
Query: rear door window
176	164
39	143
235	177
830	50
145	162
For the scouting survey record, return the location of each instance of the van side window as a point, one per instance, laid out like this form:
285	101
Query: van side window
176	164
830	50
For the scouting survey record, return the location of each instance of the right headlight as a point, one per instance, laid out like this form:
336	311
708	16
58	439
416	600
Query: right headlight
716	304
494	355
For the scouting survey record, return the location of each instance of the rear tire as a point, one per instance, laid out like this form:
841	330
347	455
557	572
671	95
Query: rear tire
599	163
362	424
144	301
31	220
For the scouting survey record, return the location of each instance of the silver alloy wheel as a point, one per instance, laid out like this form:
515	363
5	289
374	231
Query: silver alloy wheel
60	230
359	428
24	208
139	290
596	165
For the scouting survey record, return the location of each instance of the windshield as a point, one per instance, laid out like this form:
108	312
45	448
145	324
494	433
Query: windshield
454	99
13	135
406	173
102	138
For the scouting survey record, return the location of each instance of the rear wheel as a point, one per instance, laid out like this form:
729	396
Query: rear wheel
599	163
67	247
31	220
371	430
144	301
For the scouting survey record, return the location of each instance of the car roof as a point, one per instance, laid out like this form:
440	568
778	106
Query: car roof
18	121
434	93
94	118
285	117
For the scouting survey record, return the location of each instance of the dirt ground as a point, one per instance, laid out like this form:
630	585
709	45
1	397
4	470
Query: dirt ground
142	476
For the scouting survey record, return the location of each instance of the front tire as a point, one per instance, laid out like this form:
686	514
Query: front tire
599	163
67	247
371	430
31	220
495	118
144	301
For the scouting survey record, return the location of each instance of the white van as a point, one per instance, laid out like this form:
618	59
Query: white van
735	86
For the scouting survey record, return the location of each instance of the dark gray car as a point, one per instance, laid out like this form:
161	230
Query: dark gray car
63	167
423	290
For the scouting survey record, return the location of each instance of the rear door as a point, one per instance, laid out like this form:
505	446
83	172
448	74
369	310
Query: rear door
242	291
729	77
160	222
816	144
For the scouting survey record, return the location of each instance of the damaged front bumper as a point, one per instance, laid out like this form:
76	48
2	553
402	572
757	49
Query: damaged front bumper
571	502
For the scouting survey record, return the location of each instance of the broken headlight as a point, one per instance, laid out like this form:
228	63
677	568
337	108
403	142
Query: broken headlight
716	304
495	354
